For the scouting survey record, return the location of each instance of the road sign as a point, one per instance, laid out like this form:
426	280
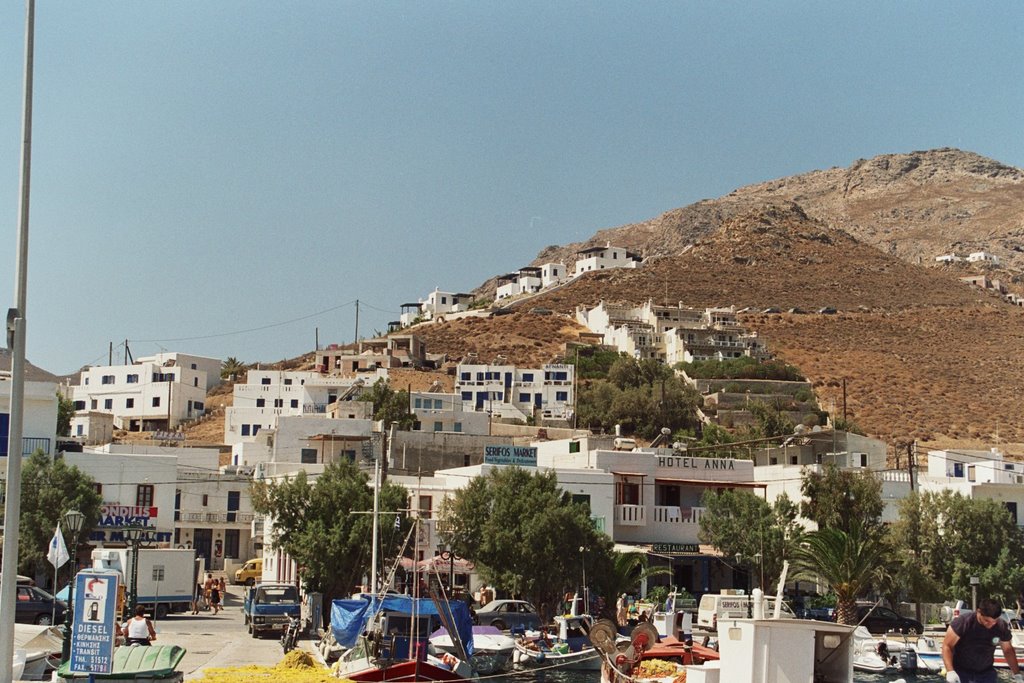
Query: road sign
95	626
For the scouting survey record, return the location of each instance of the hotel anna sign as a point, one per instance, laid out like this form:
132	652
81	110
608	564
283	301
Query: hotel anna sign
688	463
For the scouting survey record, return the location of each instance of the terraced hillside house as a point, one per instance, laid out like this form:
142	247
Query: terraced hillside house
672	334
394	351
154	393
505	391
977	474
530	279
39	416
603	258
435	306
267	395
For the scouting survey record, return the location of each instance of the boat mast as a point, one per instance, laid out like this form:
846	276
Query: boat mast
376	525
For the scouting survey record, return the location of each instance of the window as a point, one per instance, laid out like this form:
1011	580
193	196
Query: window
79	405
958	470
307	456
627	491
278	402
198	405
87	381
527	376
524	398
466	396
93	403
465	460
108	404
195	381
417	403
156	401
561	395
465	377
177	505
295	403
163	377
260	402
255	429
287	382
574	446
426	502
81	430
132	379
144	495
98	487
245	430
437	404
264	380
438	426
193	366
107	379
458	427
129	403
206	500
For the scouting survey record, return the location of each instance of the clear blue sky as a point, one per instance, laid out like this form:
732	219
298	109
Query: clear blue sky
202	168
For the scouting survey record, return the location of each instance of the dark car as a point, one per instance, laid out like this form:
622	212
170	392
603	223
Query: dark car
36	606
509	614
819	613
879	620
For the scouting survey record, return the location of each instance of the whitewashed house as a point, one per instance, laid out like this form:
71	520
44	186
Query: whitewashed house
436	305
601	258
153	393
977	474
39	416
441	412
267	395
980	256
948	258
506	391
553	274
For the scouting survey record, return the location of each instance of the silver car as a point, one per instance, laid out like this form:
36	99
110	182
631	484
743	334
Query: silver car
509	615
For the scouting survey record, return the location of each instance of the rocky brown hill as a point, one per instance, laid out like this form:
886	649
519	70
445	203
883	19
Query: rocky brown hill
925	356
915	206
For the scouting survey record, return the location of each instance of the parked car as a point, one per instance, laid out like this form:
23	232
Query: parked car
879	620
509	614
952	611
819	613
36	606
250	572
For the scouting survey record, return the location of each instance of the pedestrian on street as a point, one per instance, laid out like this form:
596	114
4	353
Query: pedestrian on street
139	630
968	649
215	595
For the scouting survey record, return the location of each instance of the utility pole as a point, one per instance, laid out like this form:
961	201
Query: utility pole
844	402
356	340
110	353
16	323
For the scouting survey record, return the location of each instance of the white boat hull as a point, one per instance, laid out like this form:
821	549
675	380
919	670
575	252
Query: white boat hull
584	660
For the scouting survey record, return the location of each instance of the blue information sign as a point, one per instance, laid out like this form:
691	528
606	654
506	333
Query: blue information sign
95	627
524	456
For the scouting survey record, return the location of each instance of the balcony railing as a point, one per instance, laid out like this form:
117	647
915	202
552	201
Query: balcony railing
215	517
630	515
674	514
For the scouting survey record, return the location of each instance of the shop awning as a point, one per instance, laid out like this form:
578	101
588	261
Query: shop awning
630	474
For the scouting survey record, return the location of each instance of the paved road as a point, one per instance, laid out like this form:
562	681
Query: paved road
217	641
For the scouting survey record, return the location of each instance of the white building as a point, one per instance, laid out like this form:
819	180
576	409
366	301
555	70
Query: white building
601	258
296	441
672	334
436	305
441	412
978	256
977	474
39	416
506	391
156	392
180	494
530	279
948	258
268	395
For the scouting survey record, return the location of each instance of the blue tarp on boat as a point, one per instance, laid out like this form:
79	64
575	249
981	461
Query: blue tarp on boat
349	617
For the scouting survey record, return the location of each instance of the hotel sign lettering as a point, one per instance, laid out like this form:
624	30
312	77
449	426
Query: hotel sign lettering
695	463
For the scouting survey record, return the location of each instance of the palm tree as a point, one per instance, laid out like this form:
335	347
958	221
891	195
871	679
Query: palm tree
624	574
848	562
231	367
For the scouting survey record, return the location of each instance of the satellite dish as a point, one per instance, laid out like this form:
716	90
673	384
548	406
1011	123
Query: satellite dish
800	429
666	431
816	429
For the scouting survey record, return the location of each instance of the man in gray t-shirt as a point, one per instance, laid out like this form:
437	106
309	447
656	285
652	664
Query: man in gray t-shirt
971	640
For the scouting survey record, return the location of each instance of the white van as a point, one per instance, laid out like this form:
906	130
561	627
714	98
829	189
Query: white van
733	604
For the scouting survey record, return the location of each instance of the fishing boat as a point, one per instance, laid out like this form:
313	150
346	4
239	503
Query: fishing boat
492	649
570	649
387	639
42	646
866	654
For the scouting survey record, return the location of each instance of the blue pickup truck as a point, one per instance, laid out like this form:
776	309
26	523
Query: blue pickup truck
268	606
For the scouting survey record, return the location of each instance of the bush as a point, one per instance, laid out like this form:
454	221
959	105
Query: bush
741	368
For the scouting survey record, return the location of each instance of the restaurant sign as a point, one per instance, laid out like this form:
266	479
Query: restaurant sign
676	548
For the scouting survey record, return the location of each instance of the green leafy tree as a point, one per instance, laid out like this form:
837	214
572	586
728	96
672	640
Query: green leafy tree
232	367
950	538
623	575
50	488
65	411
389	405
624	373
848	562
592	362
524	534
770	420
642	409
323	526
841	499
742	523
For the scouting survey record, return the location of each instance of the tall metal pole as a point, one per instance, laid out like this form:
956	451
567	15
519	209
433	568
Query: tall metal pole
16	343
376	525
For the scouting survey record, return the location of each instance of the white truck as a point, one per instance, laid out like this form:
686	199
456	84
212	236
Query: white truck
167	577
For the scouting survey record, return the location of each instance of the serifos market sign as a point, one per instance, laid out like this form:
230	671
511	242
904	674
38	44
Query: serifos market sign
524	456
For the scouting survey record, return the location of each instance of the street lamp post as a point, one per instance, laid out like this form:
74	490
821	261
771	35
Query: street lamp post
74	521
133	536
449	555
